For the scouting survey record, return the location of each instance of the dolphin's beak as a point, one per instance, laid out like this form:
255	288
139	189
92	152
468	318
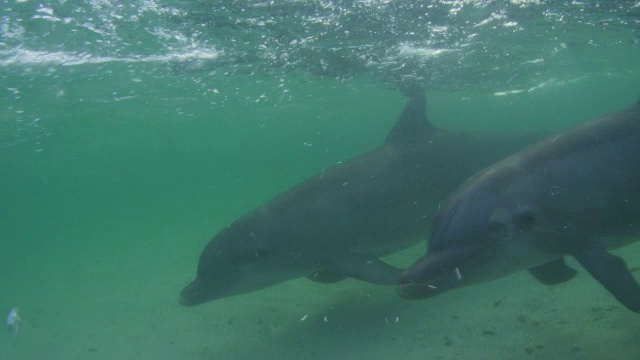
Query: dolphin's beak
435	273
192	294
186	301
424	290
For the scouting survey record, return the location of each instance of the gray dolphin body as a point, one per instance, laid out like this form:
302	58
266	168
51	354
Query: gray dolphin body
338	223
576	194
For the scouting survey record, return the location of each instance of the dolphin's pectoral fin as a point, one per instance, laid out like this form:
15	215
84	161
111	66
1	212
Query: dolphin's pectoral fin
553	273
369	269
326	276
612	272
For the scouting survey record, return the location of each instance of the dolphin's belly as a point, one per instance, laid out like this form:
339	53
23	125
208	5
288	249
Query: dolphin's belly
615	242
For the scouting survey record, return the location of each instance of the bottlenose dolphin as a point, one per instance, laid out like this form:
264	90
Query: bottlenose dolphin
339	222
575	194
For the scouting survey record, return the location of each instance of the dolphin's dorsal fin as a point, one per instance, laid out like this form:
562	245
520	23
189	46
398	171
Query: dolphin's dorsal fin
412	124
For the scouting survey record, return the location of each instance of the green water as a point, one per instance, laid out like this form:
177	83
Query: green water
115	174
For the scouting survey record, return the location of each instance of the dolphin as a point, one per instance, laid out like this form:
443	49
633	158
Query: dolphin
338	223
573	194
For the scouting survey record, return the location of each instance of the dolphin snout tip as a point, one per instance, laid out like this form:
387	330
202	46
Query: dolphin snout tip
417	291
188	296
185	301
412	289
406	278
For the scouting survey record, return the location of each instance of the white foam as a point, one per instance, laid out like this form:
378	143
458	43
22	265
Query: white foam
425	52
20	56
493	17
504	93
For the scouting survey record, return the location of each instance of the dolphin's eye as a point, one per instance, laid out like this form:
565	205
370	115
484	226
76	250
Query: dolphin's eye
524	220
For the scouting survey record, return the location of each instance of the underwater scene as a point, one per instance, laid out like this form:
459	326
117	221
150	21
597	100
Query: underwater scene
322	179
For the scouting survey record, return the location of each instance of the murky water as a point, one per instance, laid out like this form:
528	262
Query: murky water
130	133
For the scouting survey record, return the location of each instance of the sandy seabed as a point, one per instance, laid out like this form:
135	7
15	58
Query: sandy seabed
125	308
